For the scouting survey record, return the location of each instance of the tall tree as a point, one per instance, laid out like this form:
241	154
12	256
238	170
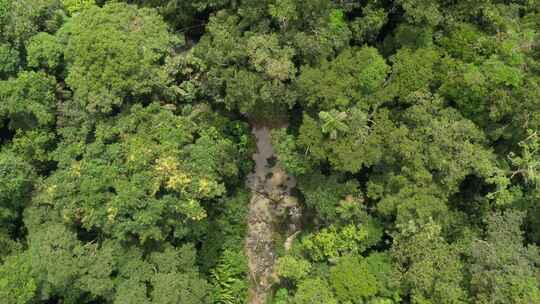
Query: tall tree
113	54
502	269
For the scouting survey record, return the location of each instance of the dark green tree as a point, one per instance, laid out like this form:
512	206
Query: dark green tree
502	269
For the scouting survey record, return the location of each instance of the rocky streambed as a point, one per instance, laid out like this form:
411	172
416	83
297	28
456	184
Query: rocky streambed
271	200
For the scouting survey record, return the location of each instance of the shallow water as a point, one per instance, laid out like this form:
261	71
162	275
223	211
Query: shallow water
259	179
264	152
270	186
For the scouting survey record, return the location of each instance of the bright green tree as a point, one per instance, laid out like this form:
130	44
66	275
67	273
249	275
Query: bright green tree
76	6
352	280
16	283
145	176
113	53
45	51
291	268
314	291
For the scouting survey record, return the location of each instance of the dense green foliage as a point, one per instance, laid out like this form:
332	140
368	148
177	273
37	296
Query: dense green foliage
412	132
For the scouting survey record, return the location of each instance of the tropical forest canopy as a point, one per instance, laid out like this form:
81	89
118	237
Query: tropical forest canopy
412	131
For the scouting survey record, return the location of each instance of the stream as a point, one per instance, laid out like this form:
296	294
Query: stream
271	200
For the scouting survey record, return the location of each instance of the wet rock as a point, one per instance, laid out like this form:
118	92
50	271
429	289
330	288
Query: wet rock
271	198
